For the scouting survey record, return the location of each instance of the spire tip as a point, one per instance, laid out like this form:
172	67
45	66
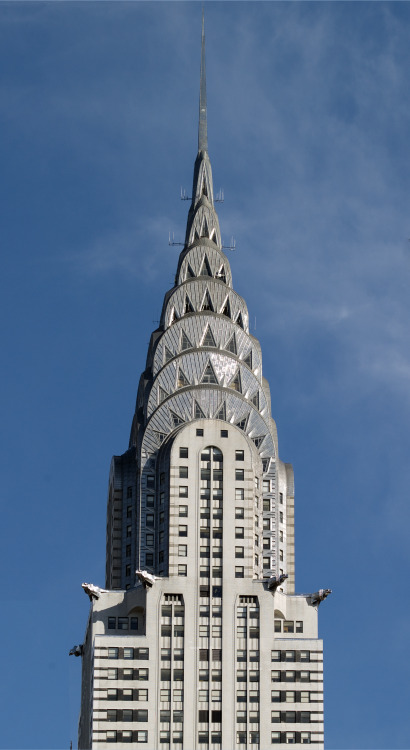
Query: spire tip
202	129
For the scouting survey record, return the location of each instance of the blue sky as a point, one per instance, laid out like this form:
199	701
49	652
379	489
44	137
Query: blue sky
309	121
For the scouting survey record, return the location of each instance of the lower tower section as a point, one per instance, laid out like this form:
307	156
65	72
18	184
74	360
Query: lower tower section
209	655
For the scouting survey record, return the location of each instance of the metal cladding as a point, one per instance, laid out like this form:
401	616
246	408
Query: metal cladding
202	360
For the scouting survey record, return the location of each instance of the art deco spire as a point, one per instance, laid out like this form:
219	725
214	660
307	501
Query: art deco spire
202	129
202	213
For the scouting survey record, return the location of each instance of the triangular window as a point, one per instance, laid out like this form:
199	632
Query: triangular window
226	309
231	345
255	399
248	359
190	274
265	464
162	395
259	440
182	380
221	413
212	236
198	413
206	268
209	375
239	320
236	382
242	423
172	316
207	303
160	435
205	230
167	355
196	235
176	419
185	342
188	306
221	274
208	339
204	188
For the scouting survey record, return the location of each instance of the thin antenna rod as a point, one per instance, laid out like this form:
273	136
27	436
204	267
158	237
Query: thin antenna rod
202	129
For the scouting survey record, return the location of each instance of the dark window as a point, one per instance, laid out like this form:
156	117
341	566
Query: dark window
150	480
199	433
129	492
142	653
112	623
239	455
224	433
239	474
141	714
183	452
123	623
203	716
183	472
142	674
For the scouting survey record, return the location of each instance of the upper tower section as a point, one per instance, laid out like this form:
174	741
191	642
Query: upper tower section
204	367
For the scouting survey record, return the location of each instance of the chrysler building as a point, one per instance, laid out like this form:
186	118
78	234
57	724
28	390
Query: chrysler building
198	640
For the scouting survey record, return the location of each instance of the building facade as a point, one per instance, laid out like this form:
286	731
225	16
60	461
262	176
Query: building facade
198	640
